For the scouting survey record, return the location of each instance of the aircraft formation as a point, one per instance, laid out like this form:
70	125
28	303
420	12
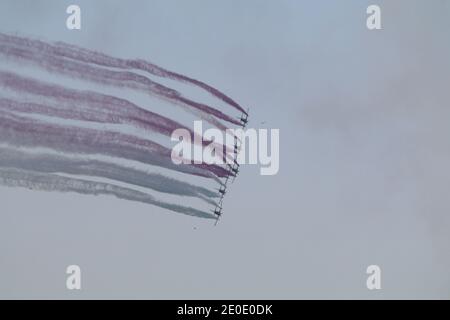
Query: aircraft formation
234	171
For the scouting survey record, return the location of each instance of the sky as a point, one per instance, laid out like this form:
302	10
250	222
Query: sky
364	155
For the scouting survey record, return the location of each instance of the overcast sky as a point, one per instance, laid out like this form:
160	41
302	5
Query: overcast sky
364	157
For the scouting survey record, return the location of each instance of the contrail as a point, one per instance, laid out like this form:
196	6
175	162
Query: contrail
22	131
89	106
89	56
15	158
123	79
51	182
78	127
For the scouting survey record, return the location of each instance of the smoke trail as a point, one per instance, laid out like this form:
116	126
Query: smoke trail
52	182
123	79
13	158
21	131
90	56
29	119
97	107
158	71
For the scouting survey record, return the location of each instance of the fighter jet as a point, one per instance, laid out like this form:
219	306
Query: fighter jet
217	211
244	119
234	170
222	190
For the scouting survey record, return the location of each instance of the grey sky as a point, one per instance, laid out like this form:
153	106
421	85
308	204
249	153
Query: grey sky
363	118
